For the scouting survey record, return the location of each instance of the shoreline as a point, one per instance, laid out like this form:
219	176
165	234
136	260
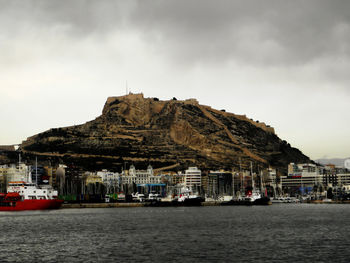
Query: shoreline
211	203
115	205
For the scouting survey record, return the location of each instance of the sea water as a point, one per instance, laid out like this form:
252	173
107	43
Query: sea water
276	233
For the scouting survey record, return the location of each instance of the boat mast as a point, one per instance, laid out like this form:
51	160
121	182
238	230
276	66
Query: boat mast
233	183
251	173
261	183
240	173
36	170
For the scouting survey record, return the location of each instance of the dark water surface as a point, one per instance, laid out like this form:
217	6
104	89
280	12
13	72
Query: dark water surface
277	233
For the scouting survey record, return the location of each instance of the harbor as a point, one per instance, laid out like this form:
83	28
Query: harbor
208	203
75	188
174	131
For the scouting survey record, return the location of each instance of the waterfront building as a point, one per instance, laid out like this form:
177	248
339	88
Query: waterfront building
70	180
49	175
3	178
334	176
205	182
134	176
108	177
178	179
193	178
141	180
38	175
302	178
20	172
306	169
343	179
92	187
219	183
270	177
92	178
111	180
272	182
167	177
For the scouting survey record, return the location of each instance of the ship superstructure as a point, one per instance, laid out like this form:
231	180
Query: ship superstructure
27	196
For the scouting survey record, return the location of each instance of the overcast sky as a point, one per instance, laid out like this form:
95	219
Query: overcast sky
286	63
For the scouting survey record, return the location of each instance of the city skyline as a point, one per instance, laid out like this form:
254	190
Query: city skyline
282	63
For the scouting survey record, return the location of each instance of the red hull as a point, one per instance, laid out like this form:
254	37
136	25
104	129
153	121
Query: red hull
34	204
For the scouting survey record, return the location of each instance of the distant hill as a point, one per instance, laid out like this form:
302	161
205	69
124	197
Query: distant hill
169	134
336	161
7	148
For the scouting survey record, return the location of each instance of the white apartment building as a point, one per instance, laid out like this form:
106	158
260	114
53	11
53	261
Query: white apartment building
343	179
193	177
302	175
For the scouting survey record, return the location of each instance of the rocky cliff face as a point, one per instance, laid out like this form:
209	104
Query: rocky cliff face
166	134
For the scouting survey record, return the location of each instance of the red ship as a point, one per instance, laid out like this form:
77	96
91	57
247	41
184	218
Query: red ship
27	196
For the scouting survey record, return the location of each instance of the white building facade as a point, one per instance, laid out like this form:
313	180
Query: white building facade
140	177
193	177
14	173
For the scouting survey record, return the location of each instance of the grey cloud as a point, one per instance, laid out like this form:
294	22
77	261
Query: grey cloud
81	17
300	30
299	46
269	32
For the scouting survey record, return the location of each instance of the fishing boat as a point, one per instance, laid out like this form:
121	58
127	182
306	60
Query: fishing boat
185	197
188	198
28	196
252	196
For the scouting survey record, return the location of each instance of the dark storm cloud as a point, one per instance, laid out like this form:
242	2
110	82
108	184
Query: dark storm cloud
80	17
271	31
256	31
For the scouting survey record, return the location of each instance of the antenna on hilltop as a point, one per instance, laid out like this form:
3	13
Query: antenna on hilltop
127	88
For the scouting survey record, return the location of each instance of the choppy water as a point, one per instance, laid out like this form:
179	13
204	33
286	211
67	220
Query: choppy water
277	233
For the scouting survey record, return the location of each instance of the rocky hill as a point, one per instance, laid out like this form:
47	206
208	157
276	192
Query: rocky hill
166	134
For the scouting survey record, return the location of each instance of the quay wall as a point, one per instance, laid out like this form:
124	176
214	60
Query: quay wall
101	205
111	205
212	203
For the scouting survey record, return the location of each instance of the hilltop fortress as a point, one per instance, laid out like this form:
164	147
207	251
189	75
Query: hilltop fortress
167	134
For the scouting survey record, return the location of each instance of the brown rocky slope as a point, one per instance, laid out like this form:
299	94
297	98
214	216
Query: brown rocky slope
166	134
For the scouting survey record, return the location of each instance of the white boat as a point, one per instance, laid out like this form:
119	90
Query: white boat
285	200
153	196
253	196
138	197
187	197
